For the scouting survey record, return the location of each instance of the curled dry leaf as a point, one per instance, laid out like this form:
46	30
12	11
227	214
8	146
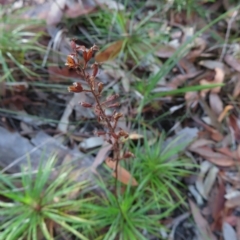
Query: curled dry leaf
122	174
224	112
218	79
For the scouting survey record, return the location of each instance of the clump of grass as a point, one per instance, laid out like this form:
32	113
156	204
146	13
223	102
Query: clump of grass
161	169
16	41
42	205
134	215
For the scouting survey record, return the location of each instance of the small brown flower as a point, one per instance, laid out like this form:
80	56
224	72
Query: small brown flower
123	134
77	88
117	115
70	61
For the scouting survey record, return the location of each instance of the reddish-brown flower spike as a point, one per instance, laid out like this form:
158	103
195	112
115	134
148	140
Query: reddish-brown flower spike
100	87
77	88
86	105
95	69
70	61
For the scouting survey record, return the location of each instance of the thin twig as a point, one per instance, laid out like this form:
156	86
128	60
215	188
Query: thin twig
227	35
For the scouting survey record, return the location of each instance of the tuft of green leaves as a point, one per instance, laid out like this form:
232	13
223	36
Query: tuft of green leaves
42	205
160	168
132	215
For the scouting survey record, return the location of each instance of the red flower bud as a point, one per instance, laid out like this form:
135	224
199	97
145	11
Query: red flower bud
86	105
128	155
95	69
100	87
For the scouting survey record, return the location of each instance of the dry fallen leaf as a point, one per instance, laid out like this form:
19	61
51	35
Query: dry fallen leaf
122	174
236	90
202	224
228	232
214	157
216	103
110	52
233	62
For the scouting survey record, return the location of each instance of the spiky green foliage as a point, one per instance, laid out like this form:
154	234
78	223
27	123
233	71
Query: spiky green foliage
132	215
159	168
41	205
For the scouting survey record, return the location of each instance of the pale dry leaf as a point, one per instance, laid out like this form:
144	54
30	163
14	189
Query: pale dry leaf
216	103
202	224
91	142
101	155
228	232
211	64
205	166
55	12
